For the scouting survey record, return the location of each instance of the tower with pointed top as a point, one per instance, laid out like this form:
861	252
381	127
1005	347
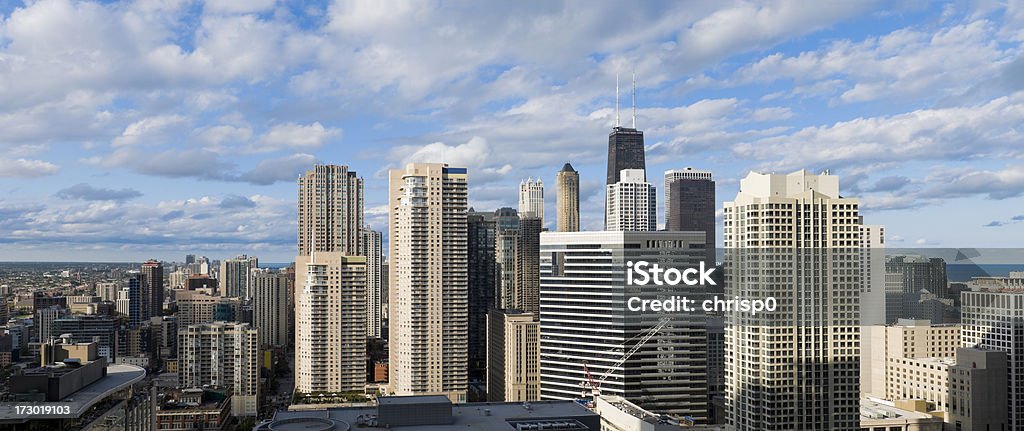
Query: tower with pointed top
567	183
625	144
531	198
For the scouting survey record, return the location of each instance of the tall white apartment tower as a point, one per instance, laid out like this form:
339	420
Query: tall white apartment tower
429	285
236	278
373	250
794	238
330	323
330	210
221	355
531	198
270	306
631	204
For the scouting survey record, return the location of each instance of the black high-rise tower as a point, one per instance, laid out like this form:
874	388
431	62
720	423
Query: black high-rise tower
625	151
625	144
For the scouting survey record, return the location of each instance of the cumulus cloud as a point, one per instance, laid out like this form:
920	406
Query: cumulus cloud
923	134
296	137
150	128
908	61
86	192
485	163
25	168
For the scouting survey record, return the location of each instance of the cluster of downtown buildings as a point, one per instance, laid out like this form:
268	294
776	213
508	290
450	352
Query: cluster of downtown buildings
476	306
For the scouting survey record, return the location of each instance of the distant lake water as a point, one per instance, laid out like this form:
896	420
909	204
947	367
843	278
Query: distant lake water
959	272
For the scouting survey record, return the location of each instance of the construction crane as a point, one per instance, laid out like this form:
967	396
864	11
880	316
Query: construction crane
592	388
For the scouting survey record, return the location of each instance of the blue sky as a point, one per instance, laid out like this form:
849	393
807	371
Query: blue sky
131	130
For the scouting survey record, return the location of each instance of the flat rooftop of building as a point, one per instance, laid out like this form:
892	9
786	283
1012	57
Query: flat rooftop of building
871	410
119	376
472	416
413	400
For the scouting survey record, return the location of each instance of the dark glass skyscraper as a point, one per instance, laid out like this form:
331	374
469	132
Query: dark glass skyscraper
690	204
482	272
153	288
625	151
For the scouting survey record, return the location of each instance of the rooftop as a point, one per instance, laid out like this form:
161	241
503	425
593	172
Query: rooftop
871	410
119	376
470	417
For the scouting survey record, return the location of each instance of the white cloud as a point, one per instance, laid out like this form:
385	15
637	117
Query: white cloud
924	134
237	6
295	136
905	62
148	129
25	168
224	138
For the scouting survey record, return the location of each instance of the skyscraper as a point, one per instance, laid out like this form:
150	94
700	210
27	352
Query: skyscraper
631	203
152	289
429	286
330	210
221	355
513	373
567	183
625	151
507	224
330	322
131	301
531	198
526	294
482	274
794	238
270	306
872	297
235	277
585	325
373	250
994	320
690	201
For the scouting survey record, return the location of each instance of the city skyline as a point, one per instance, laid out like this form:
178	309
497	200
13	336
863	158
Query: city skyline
88	157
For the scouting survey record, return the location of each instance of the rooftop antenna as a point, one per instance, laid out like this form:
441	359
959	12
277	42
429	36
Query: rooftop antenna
634	100
616	99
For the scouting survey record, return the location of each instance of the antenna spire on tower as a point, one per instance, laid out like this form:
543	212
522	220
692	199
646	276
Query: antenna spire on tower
634	99
616	99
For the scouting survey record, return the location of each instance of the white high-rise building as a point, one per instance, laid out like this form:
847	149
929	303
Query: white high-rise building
794	238
531	198
330	323
373	250
631	204
429	285
586	325
236	278
270	306
330	209
221	355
